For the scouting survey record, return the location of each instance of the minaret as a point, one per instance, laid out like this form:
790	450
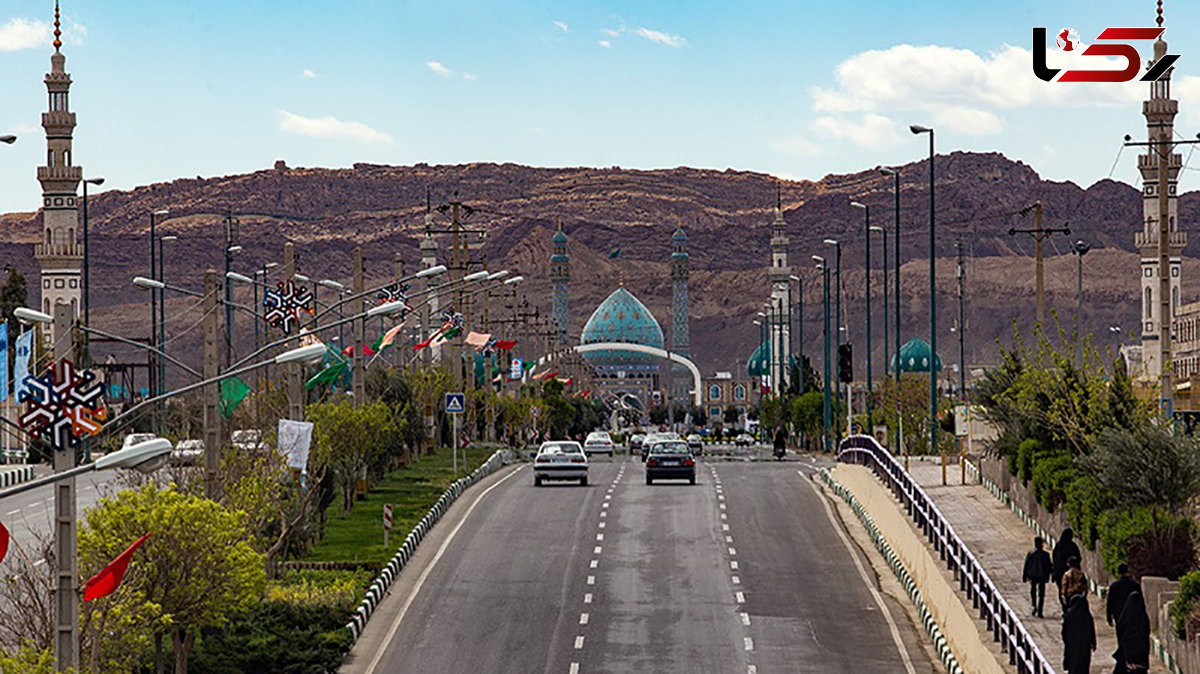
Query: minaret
59	255
680	340
429	258
779	275
1159	110
560	278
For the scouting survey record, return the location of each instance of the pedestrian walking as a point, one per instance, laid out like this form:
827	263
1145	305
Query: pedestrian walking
1118	592
1133	636
1037	573
1079	636
1074	581
1064	550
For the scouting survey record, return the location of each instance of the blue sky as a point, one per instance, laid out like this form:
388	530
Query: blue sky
165	90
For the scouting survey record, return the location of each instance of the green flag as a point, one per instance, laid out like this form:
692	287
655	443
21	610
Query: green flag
233	392
326	375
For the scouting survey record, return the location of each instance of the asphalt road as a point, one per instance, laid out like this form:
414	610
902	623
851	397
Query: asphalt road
743	572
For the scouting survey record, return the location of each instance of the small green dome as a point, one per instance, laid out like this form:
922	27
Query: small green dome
759	364
914	357
679	235
559	237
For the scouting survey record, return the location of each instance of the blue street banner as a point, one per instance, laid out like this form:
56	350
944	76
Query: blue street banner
3	362
21	364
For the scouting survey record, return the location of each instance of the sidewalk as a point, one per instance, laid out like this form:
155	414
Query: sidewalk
999	539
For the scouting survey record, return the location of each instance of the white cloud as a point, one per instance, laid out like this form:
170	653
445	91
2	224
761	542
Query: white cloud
25	34
307	74
469	76
1187	90
611	32
795	145
330	127
968	121
562	26
439	69
605	43
870	130
660	37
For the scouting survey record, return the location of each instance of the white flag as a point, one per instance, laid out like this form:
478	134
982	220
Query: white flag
295	438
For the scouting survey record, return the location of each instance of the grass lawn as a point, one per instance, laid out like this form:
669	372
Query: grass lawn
412	492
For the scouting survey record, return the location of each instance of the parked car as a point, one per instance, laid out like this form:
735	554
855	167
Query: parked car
670	460
694	443
560	460
743	440
188	453
598	442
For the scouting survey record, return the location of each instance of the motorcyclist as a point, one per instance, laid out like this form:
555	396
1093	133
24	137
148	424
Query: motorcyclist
780	443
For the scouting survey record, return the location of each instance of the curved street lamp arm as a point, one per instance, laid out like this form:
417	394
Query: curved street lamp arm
346	298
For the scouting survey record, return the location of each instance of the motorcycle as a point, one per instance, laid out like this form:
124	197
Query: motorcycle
780	452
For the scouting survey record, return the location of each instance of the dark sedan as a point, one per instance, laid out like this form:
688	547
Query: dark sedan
671	460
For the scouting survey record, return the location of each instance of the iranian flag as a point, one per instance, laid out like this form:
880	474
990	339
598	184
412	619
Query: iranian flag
109	579
389	338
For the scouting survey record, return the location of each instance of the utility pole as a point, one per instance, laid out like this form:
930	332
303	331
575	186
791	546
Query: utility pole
1039	234
212	392
356	308
960	272
66	598
398	273
231	224
295	383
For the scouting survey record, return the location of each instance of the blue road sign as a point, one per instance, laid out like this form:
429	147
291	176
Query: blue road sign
456	403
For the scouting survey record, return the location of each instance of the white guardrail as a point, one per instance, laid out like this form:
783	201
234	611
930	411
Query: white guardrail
383	581
1001	619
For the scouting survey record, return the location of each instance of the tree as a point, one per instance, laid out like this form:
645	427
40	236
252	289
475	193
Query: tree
1148	466
195	571
348	439
13	294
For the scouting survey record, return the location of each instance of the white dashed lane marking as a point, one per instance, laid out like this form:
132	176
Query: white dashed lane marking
591	580
746	619
587	598
574	668
579	642
583	618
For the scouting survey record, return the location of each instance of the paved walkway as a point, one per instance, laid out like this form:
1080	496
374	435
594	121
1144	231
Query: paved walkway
999	539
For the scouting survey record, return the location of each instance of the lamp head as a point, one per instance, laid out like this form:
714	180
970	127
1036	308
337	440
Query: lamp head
887	171
515	279
818	259
270	265
169	237
94	181
386	308
304	353
878	229
300	277
145	457
27	315
832	242
856	204
477	276
234	249
162	211
917	128
432	271
147	283
500	274
8	139
328	283
233	276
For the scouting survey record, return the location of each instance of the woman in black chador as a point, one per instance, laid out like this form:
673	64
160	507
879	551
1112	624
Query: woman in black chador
1079	636
1133	636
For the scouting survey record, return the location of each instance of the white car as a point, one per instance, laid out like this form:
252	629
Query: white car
598	442
694	443
188	453
560	460
743	440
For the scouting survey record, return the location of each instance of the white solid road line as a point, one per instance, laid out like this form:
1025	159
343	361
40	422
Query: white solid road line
574	668
833	519
14	512
429	569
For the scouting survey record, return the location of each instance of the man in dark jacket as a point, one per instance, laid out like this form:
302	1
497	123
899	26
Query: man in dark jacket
1119	591
1037	573
1064	550
1133	636
1079	636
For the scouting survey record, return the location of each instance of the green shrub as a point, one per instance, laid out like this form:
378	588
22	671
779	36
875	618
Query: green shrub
1086	502
1051	472
1151	542
1185	602
1024	460
297	629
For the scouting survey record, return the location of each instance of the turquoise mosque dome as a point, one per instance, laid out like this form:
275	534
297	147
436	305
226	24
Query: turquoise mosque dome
621	318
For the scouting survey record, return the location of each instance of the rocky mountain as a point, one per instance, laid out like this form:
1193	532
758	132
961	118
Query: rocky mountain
727	214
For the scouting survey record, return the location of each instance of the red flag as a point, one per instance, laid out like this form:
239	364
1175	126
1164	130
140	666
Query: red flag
109	579
3	541
505	344
366	350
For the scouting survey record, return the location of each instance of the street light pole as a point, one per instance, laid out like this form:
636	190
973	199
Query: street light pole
87	288
154	383
827	384
882	231
837	332
1079	249
933	354
870	388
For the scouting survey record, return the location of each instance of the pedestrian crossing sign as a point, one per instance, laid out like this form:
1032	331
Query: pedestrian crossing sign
456	403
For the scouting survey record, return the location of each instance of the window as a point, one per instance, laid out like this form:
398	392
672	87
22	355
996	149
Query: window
50	158
739	392
71	235
714	392
1149	304
66	157
48	232
73	284
58	283
714	413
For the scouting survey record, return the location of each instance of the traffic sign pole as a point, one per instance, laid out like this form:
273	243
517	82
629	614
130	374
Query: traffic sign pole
387	523
456	403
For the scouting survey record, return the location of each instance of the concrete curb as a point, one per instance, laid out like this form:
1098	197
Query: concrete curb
383	581
11	477
902	575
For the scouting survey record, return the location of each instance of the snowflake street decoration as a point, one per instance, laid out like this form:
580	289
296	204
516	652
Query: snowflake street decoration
64	405
395	292
452	319
284	304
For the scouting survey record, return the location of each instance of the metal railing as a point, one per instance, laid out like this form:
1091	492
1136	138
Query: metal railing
1001	619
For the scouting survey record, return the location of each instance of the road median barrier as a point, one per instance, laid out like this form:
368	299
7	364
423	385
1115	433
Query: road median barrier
379	587
11	476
